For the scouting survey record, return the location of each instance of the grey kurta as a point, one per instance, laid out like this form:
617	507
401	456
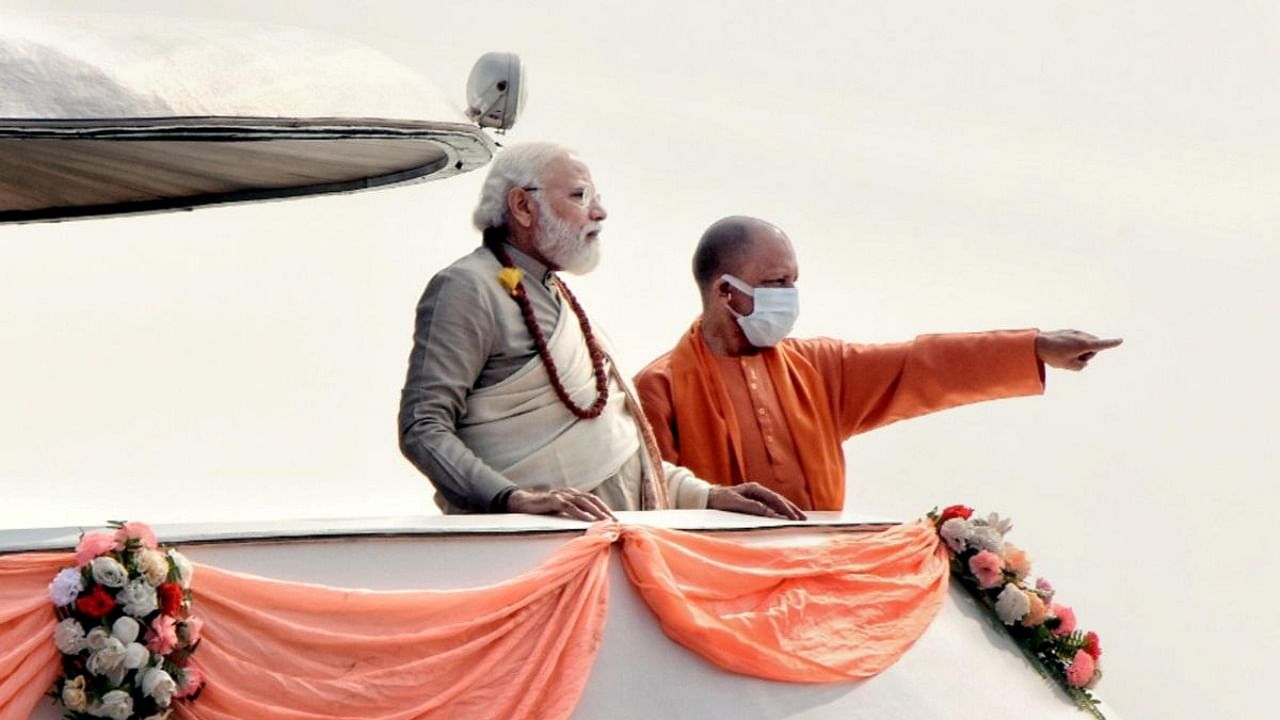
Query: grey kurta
470	335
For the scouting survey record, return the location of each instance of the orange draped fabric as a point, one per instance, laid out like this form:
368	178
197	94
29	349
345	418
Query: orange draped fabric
29	662
840	609
290	651
843	607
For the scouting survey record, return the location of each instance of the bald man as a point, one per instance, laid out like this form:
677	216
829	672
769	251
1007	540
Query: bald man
739	401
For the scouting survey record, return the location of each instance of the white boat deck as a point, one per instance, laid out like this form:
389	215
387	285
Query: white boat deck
59	538
963	667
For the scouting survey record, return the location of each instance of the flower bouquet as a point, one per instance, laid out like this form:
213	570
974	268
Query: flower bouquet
126	632
996	573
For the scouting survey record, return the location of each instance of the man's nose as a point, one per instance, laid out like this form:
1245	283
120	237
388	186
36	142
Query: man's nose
597	212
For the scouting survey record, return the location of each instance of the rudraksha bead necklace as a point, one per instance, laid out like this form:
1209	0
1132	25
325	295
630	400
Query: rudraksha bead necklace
540	341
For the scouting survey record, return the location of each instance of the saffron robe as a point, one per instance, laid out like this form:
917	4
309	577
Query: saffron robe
810	395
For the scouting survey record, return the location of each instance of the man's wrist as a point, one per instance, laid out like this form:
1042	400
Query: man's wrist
499	502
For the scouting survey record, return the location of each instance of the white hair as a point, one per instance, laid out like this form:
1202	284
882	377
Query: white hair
519	165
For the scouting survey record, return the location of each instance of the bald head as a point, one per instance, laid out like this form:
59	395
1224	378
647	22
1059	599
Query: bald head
727	246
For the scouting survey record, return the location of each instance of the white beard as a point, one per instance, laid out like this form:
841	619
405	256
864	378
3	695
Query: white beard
561	246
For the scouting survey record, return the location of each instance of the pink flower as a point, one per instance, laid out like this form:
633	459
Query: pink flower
162	638
1080	672
191	628
92	545
987	566
1045	588
192	680
136	531
1066	619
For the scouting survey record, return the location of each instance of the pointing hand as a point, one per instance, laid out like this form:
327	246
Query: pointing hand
1070	349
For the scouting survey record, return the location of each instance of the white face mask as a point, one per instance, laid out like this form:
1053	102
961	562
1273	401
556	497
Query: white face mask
775	312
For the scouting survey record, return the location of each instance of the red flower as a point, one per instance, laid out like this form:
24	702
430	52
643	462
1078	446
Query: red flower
955	511
1091	645
97	603
170	597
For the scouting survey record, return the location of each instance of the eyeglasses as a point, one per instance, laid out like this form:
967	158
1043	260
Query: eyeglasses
581	196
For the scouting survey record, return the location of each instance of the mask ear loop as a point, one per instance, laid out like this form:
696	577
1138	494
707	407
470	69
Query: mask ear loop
740	286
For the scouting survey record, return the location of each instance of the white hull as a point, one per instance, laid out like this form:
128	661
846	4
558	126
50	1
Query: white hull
962	668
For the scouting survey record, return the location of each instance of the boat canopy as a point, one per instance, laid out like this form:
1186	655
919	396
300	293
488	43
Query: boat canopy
105	115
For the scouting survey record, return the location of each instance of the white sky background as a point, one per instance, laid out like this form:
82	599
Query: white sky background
939	167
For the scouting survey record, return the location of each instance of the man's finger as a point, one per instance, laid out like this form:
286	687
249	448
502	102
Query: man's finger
571	510
600	507
796	512
591	506
736	500
755	507
776	502
1103	344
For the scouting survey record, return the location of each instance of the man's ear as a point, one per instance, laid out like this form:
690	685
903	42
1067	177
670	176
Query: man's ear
723	289
520	207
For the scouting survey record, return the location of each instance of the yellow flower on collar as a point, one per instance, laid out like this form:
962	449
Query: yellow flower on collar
510	278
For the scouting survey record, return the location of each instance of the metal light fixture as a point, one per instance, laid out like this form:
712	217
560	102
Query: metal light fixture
496	90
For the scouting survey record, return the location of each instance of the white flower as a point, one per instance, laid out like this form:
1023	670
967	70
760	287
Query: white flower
73	695
158	684
117	705
96	638
184	568
138	598
136	655
108	571
153	565
66	585
68	635
955	532
125	630
1012	604
987	538
109	660
997	523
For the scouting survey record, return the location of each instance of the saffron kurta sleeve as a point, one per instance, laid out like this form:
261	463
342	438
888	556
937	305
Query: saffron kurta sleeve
779	417
874	385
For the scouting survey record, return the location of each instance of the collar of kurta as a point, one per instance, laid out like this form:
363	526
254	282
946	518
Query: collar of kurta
533	268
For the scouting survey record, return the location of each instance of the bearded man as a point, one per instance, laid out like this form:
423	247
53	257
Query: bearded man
736	400
512	402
